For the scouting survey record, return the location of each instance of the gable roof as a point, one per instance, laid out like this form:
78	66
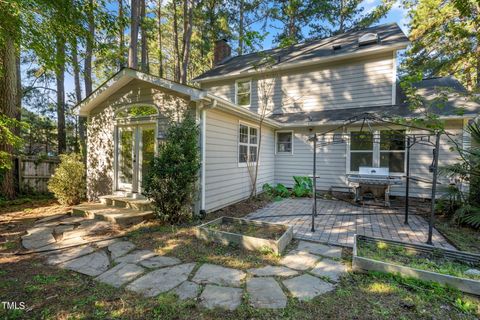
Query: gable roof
458	105
390	35
123	77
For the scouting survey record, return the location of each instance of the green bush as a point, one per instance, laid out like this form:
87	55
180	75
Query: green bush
172	178
303	186
279	191
68	183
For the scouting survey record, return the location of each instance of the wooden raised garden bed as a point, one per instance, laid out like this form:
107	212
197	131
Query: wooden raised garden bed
448	267
248	234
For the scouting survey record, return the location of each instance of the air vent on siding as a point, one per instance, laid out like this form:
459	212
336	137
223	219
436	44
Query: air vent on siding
337	47
368	38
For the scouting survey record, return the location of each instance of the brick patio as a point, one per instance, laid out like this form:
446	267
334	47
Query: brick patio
338	221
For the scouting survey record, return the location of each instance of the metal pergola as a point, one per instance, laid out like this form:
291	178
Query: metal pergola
431	139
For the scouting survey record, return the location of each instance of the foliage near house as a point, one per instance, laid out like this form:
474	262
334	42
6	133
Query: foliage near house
68	183
172	180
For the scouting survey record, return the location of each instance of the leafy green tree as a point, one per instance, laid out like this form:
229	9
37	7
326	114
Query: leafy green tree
445	39
337	16
172	179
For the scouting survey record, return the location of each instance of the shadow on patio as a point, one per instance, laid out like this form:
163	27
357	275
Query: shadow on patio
337	222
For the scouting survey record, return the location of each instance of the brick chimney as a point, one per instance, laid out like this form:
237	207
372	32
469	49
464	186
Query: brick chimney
222	51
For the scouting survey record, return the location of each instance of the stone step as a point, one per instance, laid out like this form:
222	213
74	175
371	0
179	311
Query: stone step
127	202
121	216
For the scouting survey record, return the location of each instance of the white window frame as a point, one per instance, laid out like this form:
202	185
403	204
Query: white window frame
376	151
248	144
276	142
236	92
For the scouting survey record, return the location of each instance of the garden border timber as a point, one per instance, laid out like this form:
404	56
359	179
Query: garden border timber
247	242
362	264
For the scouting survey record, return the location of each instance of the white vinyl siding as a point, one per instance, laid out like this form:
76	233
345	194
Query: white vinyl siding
347	84
226	182
332	161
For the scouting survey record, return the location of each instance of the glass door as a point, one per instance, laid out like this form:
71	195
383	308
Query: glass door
135	150
146	152
125	158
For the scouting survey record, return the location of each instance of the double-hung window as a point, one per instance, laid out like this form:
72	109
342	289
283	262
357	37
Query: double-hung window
247	144
378	149
284	142
243	90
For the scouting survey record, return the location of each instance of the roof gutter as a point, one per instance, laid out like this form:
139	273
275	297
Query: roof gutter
292	65
339	122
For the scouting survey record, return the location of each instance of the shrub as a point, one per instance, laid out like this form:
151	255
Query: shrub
68	183
172	178
303	186
277	192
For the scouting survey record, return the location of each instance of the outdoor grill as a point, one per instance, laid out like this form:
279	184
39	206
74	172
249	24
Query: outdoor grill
372	182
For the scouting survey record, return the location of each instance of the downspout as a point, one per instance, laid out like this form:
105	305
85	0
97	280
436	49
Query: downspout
203	118
203	155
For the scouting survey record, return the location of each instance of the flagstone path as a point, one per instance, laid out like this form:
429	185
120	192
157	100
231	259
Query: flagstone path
310	270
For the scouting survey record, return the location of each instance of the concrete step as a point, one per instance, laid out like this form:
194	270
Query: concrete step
121	216
127	202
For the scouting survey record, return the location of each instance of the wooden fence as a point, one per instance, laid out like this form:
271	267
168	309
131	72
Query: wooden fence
34	173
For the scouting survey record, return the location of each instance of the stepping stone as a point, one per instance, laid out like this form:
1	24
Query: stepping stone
320	249
50	218
38	240
106	243
120	248
329	268
213	274
62	228
159	262
64	244
273	271
39	232
71	220
69	254
161	280
307	287
93	264
95	225
136	256
265	293
75	233
120	274
187	290
299	260
221	297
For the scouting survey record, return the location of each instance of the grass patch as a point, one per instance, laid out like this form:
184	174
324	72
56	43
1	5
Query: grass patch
464	238
433	261
246	228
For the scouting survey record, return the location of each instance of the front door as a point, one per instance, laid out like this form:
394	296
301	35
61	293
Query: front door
135	150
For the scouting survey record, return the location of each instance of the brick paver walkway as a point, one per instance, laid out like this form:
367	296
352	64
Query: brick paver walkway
337	222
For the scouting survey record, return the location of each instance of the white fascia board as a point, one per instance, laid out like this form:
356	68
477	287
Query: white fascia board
127	75
293	65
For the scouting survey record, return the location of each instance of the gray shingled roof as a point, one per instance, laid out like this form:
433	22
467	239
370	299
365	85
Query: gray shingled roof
388	33
456	105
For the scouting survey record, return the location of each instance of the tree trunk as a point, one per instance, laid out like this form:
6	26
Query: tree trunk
187	36
132	50
78	97
121	36
176	76
89	49
60	80
241	30
144	44
160	49
9	107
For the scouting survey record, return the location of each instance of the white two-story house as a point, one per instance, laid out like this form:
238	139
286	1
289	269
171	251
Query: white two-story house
285	95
